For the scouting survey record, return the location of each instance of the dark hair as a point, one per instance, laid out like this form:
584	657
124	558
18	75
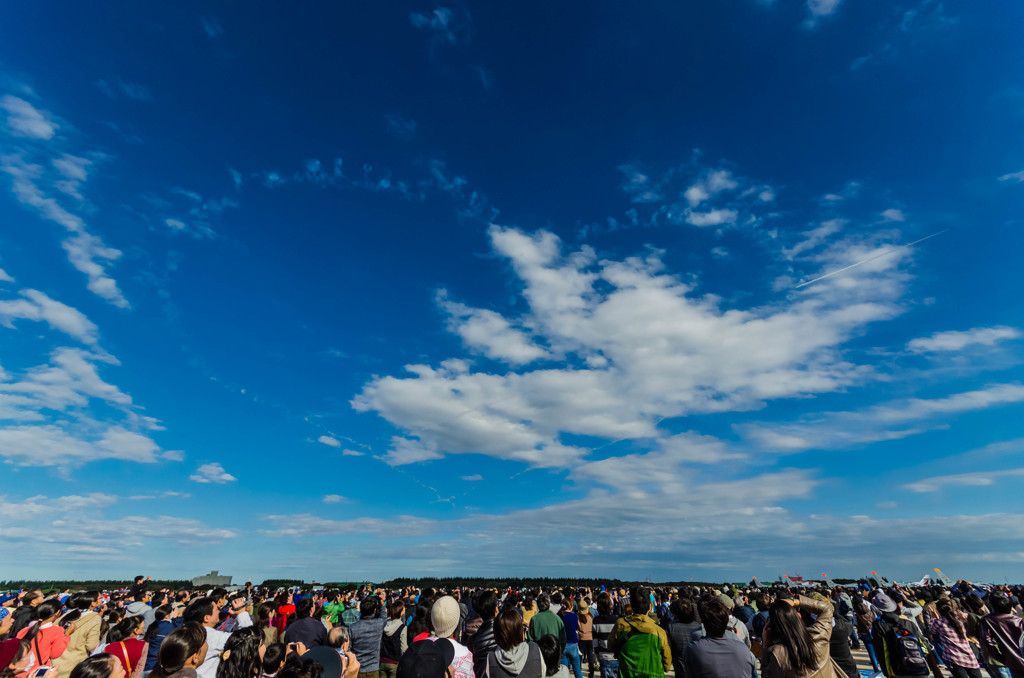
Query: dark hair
419	621
97	666
303	608
139	578
604	603
552	653
218	593
714	615
1000	603
639	600
788	630
198	610
543	602
508	629
178	646
159	614
273	658
682	610
124	629
301	668
485	603
263	616
396	608
368	607
945	609
243	654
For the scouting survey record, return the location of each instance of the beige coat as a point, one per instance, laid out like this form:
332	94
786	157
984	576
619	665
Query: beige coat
81	644
775	659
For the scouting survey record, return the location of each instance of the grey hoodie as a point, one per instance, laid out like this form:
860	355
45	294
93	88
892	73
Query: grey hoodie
519	661
140	609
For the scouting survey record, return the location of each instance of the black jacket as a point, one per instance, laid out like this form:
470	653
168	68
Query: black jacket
480	644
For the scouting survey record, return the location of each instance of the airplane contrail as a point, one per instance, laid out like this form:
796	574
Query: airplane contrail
864	261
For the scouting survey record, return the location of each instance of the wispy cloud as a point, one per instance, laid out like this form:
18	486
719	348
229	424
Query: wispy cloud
400	127
944	342
819	9
447	26
329	441
211	26
973	479
122	88
25	120
1013	176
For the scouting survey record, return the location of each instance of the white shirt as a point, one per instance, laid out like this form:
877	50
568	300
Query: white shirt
216	640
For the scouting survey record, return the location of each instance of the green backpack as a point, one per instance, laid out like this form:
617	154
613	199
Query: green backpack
640	657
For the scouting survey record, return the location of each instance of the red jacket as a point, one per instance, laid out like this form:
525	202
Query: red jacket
49	643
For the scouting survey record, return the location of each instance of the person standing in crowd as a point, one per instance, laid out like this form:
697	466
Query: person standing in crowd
793	650
141	608
639	643
305	629
25	614
47	640
183	651
949	631
571	652
124	643
393	642
444	619
545	622
99	666
513	657
1001	631
86	636
243	654
482	643
680	632
203	611
586	635
604	624
366	634
718	654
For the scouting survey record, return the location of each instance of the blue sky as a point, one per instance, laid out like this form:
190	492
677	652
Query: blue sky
359	290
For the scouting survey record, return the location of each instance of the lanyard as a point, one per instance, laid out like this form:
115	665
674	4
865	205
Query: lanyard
126	659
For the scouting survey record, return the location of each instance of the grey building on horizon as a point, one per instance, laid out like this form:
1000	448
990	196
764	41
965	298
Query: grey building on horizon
212	579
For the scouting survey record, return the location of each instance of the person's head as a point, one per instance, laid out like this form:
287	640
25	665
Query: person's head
396	608
263	616
202	611
604	603
129	627
543	602
139	579
184	647
763	601
369	606
788	630
714	615
48	610
485	602
444	616
15	657
220	595
301	668
243	654
639	600
428	659
101	665
1001	603
273	658
338	638
551	651
682	610
304	608
508	629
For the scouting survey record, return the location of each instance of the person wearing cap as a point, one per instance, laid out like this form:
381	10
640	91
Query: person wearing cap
444	619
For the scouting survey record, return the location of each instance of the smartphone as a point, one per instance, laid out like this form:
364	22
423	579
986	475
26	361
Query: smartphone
42	671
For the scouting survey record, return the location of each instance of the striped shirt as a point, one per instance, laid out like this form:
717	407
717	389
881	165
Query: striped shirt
602	629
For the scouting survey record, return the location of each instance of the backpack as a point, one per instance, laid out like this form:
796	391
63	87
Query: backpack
640	657
391	645
898	649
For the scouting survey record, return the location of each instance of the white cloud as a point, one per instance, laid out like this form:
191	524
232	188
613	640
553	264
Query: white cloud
1013	176
211	26
490	333
334	499
711	218
814	238
400	127
329	441
834	430
85	251
639	185
5	277
710	185
636	344
212	473
893	214
119	88
973	479
719	253
473	478
25	120
39	307
942	342
817	9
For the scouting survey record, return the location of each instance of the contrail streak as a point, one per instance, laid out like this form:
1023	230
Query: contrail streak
864	261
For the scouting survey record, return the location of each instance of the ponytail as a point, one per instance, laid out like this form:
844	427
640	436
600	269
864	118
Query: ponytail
945	608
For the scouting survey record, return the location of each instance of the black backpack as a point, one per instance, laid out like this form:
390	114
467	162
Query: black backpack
391	646
898	649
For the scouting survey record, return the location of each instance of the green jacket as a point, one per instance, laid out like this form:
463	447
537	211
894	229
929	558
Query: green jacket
547	622
640	643
333	612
